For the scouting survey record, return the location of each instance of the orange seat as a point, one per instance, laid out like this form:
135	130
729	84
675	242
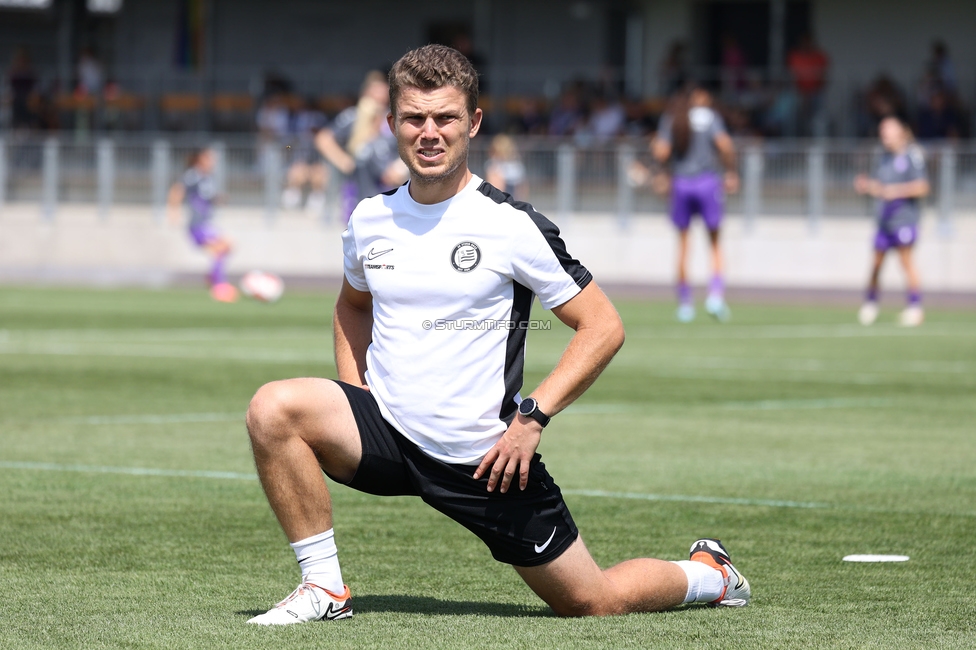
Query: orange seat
180	103
334	104
232	103
125	102
71	102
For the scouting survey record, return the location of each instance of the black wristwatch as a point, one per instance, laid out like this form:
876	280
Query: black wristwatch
530	409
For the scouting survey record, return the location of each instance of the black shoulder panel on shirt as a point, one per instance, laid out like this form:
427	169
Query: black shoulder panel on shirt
394	190
549	230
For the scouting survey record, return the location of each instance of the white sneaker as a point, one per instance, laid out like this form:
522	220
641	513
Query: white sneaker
685	313
737	591
291	198
315	204
911	316
309	602
717	308
868	313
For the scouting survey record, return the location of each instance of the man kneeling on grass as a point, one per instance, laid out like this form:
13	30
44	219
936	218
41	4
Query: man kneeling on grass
430	329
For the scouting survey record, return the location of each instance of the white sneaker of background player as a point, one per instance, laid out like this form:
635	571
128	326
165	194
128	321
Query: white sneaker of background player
868	313
911	316
315	203
291	198
308	602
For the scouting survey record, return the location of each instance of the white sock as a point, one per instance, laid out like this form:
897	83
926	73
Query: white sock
705	584
318	559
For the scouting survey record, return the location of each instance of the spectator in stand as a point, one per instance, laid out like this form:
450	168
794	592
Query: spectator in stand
91	78
504	168
462	43
606	120
780	115
883	98
273	120
939	119
23	89
733	66
567	116
307	166
808	65
529	118
942	68
674	69
639	121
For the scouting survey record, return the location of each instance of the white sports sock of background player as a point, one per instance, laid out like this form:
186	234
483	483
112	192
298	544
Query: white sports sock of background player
318	558
705	584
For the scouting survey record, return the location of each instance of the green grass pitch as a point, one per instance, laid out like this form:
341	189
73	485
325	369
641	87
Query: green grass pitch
130	517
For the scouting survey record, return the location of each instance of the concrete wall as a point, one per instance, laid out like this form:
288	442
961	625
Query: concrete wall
129	248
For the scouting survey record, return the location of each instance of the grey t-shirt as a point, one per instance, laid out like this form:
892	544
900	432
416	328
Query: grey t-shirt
201	192
892	169
372	160
342	126
702	155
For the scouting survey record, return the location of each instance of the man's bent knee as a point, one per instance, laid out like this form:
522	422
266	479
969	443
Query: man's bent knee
272	409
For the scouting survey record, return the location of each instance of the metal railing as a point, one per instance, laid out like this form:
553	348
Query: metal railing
779	178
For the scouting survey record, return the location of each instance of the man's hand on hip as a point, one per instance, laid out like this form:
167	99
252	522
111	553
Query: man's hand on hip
512	454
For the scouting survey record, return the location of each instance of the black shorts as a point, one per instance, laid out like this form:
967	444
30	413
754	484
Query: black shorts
523	528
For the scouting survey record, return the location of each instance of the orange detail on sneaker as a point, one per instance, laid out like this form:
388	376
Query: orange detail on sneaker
736	592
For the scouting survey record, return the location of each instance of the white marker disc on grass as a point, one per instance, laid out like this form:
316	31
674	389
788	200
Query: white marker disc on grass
876	558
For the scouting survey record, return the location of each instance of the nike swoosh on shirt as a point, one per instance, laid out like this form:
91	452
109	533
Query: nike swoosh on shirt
539	549
372	255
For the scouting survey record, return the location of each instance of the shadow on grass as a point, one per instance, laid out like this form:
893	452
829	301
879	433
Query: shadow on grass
432	606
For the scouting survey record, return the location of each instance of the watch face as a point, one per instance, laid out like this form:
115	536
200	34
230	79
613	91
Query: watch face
527	406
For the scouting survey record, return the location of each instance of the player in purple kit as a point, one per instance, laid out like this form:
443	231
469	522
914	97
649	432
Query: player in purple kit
199	190
898	183
692	138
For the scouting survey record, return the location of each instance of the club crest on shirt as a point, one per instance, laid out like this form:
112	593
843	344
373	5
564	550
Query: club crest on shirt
465	256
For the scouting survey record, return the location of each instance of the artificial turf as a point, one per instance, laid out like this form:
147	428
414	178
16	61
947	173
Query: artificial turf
130	517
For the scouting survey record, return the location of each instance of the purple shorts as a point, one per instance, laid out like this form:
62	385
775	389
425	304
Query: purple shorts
700	194
904	236
204	233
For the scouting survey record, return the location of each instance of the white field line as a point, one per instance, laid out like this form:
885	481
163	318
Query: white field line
148	471
601	494
785	364
169	418
180	334
162	352
801	331
756	405
696	499
133	471
284	333
669	366
811	404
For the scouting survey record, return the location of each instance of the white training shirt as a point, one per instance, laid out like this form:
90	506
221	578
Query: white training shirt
452	285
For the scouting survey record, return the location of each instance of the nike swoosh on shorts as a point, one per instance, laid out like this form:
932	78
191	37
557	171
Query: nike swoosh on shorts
539	549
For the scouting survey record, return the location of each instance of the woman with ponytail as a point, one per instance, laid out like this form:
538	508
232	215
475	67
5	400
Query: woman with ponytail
693	141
